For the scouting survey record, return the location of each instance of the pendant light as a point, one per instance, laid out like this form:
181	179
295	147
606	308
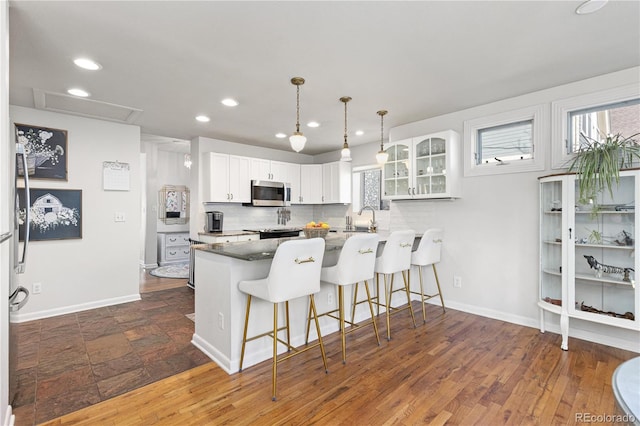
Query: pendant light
345	155
297	140
382	156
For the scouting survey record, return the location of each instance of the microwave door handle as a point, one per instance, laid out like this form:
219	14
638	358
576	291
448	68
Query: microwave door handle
27	224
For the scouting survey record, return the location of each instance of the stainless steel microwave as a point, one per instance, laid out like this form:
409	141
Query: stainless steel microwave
270	193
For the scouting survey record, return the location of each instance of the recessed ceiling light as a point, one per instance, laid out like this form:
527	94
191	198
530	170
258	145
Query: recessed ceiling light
359	133
78	92
229	102
87	64
590	6
203	119
280	135
313	124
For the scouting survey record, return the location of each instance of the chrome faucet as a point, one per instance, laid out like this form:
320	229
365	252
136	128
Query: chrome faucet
373	227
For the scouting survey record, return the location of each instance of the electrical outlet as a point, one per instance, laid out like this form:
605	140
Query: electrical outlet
119	217
220	321
330	299
457	282
37	288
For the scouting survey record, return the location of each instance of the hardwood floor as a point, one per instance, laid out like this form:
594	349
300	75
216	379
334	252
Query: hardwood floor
458	369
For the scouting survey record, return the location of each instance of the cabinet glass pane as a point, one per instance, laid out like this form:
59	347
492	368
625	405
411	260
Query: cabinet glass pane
423	148
438	146
423	185
604	252
403	152
438	185
438	164
551	245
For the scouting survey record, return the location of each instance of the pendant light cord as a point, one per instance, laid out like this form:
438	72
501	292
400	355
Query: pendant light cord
298	108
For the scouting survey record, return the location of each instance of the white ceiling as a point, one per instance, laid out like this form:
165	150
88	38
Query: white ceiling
418	59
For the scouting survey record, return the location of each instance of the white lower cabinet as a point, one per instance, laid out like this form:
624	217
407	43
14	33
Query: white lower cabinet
214	239
588	258
173	247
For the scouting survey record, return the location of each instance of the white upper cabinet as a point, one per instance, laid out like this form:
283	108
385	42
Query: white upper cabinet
226	178
423	167
336	182
260	169
310	184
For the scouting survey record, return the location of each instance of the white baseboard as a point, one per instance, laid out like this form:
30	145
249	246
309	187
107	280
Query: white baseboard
9	419
74	308
148	265
599	338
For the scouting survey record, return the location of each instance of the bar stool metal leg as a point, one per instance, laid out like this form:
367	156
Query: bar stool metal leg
246	326
435	273
375	326
406	287
274	369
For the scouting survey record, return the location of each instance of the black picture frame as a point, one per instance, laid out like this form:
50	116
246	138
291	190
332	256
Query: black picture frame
56	214
46	151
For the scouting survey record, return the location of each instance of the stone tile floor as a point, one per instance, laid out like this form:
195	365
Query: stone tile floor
71	361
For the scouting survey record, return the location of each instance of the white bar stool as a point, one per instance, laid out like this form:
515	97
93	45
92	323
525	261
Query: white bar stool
355	265
428	253
395	257
294	273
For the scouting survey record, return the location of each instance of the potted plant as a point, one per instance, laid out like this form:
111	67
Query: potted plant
598	164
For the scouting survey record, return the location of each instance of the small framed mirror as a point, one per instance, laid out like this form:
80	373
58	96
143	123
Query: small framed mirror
173	204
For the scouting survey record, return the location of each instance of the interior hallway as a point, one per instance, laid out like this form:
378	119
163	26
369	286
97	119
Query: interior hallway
72	361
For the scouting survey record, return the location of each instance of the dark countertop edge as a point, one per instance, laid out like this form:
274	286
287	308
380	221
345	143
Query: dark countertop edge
227	233
217	248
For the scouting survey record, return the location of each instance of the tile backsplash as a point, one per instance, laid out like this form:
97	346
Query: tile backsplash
245	217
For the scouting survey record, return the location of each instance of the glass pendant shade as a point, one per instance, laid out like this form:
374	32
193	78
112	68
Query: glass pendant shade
297	141
345	154
382	157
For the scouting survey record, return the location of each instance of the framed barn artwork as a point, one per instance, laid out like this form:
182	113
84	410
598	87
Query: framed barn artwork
54	214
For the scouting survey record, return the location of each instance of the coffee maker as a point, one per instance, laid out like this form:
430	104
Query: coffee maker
213	221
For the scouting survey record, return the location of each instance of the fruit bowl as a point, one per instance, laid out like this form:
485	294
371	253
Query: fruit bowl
315	232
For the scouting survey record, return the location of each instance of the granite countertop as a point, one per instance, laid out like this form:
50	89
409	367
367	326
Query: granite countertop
262	249
230	233
265	249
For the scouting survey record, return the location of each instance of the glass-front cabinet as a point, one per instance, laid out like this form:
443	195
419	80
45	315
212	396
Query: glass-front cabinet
423	167
587	253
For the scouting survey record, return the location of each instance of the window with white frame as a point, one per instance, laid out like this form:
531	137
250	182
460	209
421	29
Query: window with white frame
592	116
509	142
597	122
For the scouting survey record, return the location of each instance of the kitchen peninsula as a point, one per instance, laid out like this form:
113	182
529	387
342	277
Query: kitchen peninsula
220	306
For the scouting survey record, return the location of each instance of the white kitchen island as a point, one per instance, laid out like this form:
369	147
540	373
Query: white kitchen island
220	306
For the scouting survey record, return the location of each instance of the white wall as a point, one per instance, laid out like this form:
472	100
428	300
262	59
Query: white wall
101	268
491	233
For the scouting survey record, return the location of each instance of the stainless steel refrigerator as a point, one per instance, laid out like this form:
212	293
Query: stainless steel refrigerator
13	252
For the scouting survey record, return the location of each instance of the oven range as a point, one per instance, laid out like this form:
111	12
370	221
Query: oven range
276	232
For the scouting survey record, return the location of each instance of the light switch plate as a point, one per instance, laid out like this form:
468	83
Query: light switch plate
119	217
